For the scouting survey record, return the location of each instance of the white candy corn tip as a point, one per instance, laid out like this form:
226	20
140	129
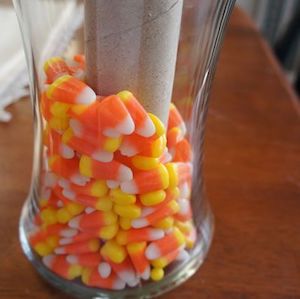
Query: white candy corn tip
60	204
89	210
66	152
127	150
87	96
74	223
112	184
184	205
76	127
50	179
139	223
147	211
152	252
65	241
59	250
46	193
125	174
156	234
185	190
68	232
47	260
129	187
127	275
126	127
102	156
69	194
104	270
182	255
147	129
146	274
182	127
64	183
113	133
72	259
79	180
134	282
119	284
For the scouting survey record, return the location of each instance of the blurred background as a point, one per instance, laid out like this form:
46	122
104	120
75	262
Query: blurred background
279	23
277	20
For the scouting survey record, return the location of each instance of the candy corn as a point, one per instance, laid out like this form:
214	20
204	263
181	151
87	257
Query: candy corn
115	204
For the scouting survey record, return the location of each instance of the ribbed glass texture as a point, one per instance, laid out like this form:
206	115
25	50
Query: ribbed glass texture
119	91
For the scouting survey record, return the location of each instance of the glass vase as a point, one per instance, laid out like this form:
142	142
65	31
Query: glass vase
119	91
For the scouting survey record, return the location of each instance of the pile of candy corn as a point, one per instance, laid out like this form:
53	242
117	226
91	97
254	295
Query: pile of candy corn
114	206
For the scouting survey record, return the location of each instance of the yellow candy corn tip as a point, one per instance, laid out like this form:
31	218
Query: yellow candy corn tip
158	146
67	135
99	189
57	123
85	166
63	215
93	245
159	126
42	249
164	174
173	177
179	236
136	247
59	109
74	271
112	144
128	211
51	61
165	223
125	95
85	275
121	198
52	159
55	84
144	163
115	252
48	216
104	204
153	198
109	232
157	274
52	241
160	262
74	208
110	218
125	223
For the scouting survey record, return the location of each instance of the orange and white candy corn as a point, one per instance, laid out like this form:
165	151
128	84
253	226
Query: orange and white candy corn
108	144
104	171
91	259
114	118
147	181
67	168
168	209
86	246
182	151
70	90
81	146
92	278
136	253
164	246
175	119
59	265
125	271
143	123
185	211
95	219
57	147
139	235
54	68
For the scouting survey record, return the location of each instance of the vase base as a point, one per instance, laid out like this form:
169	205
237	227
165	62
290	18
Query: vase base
174	277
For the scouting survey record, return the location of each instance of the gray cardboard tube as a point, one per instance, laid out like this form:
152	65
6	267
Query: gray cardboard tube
132	45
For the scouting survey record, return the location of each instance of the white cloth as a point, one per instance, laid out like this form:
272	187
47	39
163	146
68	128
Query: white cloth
13	70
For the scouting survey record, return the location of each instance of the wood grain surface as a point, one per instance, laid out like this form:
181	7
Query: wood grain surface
252	171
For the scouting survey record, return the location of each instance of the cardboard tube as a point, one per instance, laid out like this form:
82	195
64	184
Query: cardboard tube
132	44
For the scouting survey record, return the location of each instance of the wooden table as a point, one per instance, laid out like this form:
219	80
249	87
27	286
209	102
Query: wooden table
252	169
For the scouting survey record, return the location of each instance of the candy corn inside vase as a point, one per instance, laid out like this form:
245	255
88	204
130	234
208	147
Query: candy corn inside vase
116	207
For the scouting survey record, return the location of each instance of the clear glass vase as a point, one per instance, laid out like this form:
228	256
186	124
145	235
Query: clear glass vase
120	92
